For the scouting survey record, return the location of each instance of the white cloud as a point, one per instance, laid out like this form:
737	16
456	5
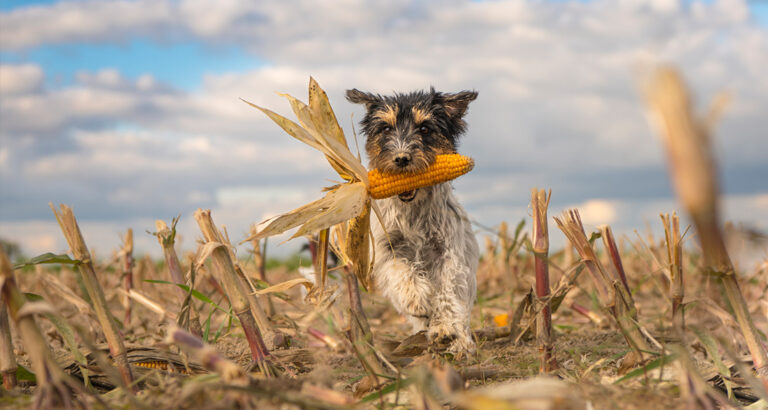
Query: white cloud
71	21
558	103
20	78
3	157
597	212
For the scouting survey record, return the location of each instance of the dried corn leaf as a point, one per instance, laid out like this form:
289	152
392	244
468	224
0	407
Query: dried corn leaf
283	286
293	129
332	147
348	201
206	251
340	204
322	113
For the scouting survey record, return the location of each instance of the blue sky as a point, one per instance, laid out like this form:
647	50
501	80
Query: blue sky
130	111
180	64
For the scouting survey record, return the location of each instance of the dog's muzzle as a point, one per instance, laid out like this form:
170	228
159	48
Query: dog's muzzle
407	196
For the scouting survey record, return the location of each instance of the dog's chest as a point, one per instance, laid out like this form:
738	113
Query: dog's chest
421	233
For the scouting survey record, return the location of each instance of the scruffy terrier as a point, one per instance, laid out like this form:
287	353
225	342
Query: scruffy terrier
426	252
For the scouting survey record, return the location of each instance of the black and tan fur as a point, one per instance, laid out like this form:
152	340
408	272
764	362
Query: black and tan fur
426	252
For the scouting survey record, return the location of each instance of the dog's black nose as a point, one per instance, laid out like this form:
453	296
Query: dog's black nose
402	160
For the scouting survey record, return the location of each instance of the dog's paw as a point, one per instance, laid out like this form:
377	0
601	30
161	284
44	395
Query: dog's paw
461	346
459	342
438	333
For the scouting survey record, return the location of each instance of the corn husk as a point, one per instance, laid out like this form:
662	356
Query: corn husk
345	203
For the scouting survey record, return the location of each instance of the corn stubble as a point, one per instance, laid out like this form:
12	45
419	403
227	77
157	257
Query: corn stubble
694	175
540	241
53	385
71	230
189	318
613	290
221	257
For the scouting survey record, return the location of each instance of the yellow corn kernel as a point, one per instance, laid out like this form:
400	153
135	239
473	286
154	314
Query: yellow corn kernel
445	168
152	364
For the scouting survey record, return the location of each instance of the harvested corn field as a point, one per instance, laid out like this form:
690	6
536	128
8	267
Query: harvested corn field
601	323
311	363
552	290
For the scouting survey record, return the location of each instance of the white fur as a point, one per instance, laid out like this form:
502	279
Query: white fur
426	260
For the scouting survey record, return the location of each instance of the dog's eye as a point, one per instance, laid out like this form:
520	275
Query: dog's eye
386	129
423	130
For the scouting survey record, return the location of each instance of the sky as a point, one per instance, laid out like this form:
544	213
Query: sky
129	111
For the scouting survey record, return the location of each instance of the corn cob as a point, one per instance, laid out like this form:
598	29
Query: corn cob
161	365
152	364
445	168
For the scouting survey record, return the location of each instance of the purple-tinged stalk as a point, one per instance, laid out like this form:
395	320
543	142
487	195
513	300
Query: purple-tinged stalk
127	256
71	230
51	391
612	295
238	298
540	240
613	253
167	238
8	363
675	265
694	175
620	283
328	340
592	316
207	356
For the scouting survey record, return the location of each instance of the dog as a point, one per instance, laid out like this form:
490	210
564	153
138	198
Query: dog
426	252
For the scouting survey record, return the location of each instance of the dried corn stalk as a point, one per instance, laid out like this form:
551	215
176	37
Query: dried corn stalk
694	174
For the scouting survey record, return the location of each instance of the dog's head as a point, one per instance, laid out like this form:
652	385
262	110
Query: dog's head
405	132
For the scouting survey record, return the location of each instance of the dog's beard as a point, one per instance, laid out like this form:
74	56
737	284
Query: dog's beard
407	196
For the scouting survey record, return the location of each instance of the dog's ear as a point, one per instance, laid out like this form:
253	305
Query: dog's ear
359	97
456	104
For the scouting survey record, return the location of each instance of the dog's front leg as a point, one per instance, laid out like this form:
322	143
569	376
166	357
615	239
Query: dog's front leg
452	305
409	291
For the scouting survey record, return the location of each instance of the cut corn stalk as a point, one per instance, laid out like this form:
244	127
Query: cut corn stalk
540	240
127	253
613	253
445	168
674	244
52	382
71	230
7	357
188	315
694	174
233	287
612	294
